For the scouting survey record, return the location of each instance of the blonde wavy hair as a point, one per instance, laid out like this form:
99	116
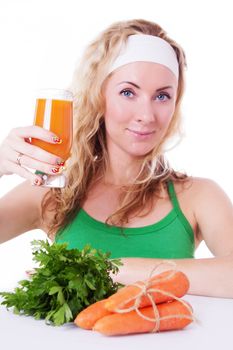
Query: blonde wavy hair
89	158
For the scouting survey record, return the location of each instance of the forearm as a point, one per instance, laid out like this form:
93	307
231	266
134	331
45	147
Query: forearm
208	277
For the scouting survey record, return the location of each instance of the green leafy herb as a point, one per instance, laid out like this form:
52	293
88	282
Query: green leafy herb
66	282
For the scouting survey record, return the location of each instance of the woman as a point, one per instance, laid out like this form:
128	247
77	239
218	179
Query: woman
122	196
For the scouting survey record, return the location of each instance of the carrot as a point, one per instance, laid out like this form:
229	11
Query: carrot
88	317
177	285
131	322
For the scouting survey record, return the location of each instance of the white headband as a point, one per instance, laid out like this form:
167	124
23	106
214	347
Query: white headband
147	48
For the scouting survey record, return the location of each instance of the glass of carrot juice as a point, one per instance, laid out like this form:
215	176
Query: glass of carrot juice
54	112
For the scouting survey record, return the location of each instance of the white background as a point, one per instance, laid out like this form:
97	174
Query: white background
41	42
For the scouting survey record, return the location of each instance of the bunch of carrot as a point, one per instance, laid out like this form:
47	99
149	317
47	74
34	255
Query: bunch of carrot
150	306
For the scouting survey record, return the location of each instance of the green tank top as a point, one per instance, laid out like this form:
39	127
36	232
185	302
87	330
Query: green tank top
170	238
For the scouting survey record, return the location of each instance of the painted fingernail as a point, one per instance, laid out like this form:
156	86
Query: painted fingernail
37	182
60	163
55	170
57	140
62	168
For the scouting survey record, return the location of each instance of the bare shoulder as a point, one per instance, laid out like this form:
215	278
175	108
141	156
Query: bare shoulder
35	196
213	212
200	188
26	195
202	195
20	210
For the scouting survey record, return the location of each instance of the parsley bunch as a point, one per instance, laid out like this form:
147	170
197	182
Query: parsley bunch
66	282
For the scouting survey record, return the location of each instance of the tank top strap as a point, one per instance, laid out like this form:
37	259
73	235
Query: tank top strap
178	210
172	195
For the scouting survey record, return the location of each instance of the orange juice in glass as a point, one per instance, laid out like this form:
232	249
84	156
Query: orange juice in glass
54	112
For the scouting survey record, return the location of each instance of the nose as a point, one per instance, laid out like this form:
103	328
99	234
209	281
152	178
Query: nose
145	112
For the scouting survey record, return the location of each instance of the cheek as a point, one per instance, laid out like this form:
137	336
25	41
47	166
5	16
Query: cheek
116	111
165	116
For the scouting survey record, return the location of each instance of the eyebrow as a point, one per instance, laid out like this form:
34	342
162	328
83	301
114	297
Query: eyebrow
138	87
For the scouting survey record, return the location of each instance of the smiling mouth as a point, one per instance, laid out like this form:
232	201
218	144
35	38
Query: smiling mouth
141	133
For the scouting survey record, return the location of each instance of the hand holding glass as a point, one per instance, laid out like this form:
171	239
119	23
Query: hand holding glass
54	112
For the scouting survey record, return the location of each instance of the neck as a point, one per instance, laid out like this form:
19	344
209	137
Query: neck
121	171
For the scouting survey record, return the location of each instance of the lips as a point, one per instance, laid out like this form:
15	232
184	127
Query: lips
141	133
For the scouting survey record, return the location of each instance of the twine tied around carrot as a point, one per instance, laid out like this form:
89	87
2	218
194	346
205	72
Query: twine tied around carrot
146	290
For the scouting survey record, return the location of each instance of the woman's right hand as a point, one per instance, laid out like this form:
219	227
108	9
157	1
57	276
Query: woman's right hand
16	152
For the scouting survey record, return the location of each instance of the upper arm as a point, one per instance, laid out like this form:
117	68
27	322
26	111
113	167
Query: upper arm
20	210
213	210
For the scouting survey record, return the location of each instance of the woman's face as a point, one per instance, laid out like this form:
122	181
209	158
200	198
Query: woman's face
139	105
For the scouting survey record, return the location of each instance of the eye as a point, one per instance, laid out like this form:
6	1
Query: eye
126	93
163	97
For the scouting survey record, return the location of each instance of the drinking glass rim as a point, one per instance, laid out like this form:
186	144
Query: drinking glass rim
54	94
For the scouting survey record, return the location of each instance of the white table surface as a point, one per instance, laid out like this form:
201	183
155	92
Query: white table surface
215	331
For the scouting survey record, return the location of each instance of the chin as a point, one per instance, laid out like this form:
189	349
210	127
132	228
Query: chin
140	153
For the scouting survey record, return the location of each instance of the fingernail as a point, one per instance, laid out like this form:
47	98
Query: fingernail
37	182
57	140
55	170
62	168
60	163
